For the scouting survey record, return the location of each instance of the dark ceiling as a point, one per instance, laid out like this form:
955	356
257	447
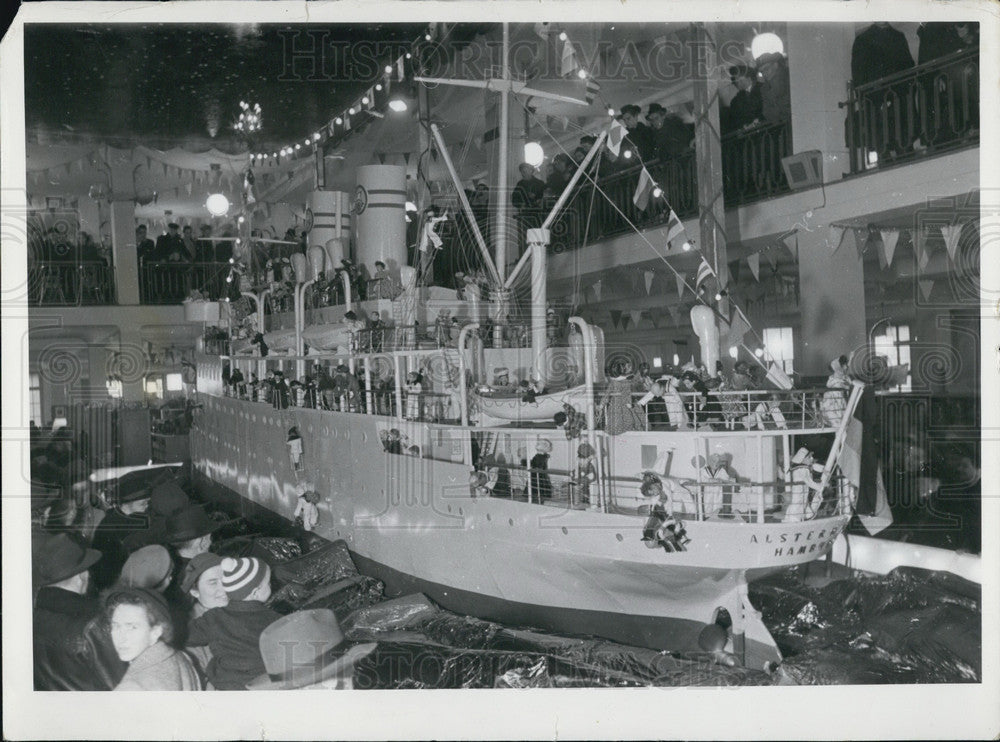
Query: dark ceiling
181	84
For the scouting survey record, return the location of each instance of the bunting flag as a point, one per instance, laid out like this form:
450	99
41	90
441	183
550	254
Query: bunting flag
754	262
739	326
642	190
951	234
889	239
734	271
792	243
616	317
568	64
860	241
704	273
616	134
597	290
920	248
681	281
675	228
675	313
926	286
593	88
381	157
406	157
648	276
636	316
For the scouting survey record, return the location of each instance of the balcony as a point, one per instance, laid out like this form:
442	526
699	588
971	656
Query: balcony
171	283
751	167
929	109
70	283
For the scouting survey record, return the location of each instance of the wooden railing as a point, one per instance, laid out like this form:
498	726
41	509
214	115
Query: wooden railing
170	283
70	283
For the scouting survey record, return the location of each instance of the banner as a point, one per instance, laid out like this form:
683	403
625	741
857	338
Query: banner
642	190
675	228
926	286
951	233
648	276
889	239
754	262
616	134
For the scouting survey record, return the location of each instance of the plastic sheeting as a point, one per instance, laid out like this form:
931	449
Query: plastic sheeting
910	626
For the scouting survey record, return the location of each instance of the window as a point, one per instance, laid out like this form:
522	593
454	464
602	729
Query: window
174	383
154	387
894	344
779	343
35	396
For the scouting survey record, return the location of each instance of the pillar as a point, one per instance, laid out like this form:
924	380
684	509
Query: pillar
126	259
819	66
832	311
538	240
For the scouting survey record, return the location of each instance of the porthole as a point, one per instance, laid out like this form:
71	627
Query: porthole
449	508
619	537
564	530
489	517
510	521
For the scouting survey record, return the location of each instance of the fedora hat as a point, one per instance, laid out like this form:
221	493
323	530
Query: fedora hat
60	557
168	498
304	648
191	522
138	484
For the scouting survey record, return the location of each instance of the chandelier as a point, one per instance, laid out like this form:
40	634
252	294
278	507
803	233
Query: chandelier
250	119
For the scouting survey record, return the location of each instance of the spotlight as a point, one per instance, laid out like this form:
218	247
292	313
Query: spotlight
533	154
217	204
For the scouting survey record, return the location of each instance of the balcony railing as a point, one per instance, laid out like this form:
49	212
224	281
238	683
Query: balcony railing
170	283
751	167
70	283
924	110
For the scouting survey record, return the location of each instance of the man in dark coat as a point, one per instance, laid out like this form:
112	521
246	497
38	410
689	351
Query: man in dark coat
71	643
669	135
745	107
639	138
527	196
127	522
879	51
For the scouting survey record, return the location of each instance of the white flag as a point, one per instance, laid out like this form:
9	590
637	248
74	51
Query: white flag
889	239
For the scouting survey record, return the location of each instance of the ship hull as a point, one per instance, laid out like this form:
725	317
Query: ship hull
414	523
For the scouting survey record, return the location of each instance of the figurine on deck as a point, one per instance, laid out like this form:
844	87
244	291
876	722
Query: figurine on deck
541	484
238	383
413	390
805	490
586	471
430	241
570	420
442	328
306	513
661	528
616	404
279	396
376	329
294	444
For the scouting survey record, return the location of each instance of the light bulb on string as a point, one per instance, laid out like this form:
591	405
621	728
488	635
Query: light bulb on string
338	121
628	154
298	146
657	192
378	86
409	56
316	136
563	36
351	110
582	74
611	111
388	69
686	247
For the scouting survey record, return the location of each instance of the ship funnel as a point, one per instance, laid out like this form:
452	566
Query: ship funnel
380	217
331	223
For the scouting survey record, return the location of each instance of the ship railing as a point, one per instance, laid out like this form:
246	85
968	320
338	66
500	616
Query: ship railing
736	501
792	409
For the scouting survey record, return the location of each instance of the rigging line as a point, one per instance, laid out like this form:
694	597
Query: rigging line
631	224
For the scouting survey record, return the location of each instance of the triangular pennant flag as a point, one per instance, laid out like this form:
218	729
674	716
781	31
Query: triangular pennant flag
920	248
792	243
164	169
889	239
642	190
925	288
754	262
648	276
681	282
675	228
406	157
675	313
636	317
616	134
951	233
704	272
734	271
771	257
881	258
597	290
616	317
835	235
860	241
568	63
381	157
738	327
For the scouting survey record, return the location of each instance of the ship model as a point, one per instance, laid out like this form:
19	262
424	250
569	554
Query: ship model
647	537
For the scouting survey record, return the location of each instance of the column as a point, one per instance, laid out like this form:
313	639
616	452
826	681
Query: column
819	66
124	251
832	302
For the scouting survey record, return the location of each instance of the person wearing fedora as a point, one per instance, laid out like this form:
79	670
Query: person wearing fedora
127	522
306	650
189	531
141	630
166	498
669	135
71	644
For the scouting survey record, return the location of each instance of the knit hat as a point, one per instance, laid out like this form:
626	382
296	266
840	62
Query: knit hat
242	576
196	567
146	567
